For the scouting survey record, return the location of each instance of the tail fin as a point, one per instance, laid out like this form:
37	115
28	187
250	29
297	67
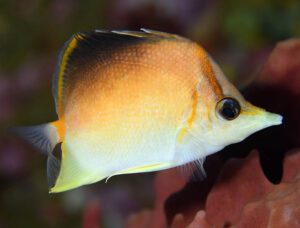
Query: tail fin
44	137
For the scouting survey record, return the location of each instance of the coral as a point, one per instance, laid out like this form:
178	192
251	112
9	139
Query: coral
283	66
238	183
247	199
241	197
277	89
92	215
166	183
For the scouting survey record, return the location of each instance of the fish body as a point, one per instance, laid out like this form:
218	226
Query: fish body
130	102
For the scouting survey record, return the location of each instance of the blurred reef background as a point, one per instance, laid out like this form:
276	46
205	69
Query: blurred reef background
240	35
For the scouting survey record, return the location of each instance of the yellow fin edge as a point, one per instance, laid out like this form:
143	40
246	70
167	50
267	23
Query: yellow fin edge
71	46
139	169
142	169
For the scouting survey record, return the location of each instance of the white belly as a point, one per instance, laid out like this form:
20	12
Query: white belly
100	155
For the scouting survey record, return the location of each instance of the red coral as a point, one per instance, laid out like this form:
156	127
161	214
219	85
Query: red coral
248	200
240	182
241	197
199	221
91	216
166	183
283	66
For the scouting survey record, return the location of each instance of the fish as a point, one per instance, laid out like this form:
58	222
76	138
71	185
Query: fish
138	101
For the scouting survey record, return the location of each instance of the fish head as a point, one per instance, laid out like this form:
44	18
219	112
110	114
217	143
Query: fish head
232	120
224	117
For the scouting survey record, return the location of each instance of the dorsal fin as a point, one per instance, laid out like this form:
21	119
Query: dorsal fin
147	33
82	49
62	70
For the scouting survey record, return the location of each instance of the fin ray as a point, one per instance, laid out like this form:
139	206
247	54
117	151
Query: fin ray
194	171
188	149
53	168
43	137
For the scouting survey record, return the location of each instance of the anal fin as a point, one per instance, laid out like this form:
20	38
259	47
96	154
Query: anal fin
142	169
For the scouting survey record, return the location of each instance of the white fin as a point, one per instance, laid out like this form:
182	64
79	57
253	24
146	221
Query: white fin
44	137
194	171
162	34
190	153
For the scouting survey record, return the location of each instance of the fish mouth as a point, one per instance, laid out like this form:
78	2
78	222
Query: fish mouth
262	119
258	119
273	119
262	116
267	119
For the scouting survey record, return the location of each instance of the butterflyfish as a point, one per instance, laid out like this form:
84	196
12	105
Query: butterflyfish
138	101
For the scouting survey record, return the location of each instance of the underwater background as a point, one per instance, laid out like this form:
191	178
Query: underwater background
253	183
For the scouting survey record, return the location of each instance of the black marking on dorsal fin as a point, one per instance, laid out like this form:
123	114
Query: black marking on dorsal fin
83	49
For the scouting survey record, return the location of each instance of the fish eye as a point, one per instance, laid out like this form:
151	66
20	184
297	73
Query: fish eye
228	108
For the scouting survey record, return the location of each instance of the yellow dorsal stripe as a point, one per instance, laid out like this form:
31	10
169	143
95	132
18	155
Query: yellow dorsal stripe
71	46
